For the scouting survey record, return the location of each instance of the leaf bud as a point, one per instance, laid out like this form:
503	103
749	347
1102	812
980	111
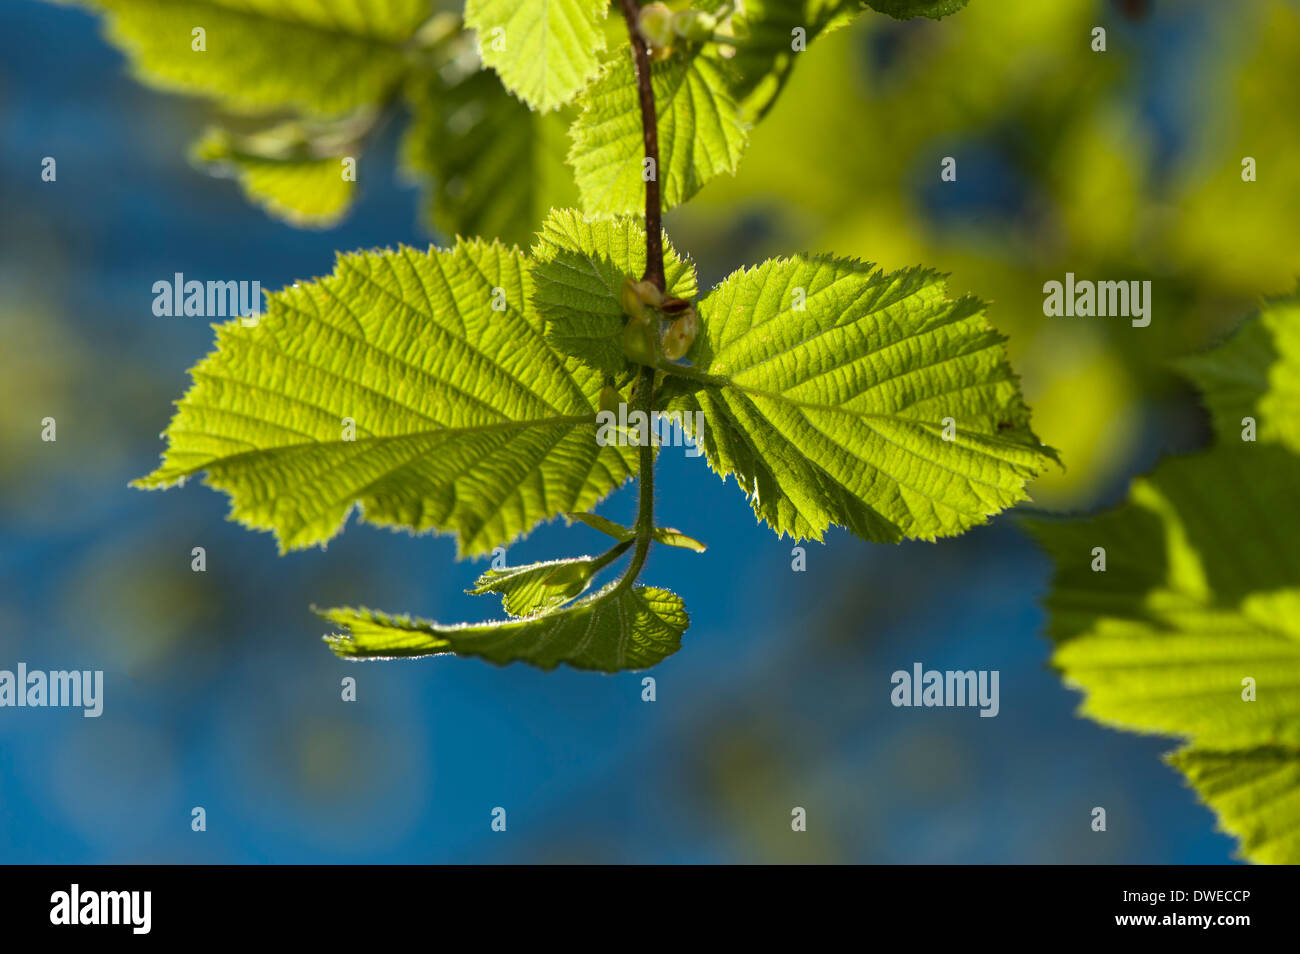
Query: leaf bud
631	301
655	24
640	343
649	293
681	334
635	295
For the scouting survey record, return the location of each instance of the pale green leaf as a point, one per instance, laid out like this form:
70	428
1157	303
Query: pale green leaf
1193	627
829	390
538	587
545	51
579	270
465	420
1199	592
605	526
675	538
1256	795
496	167
701	133
289	183
611	630
324	57
1180	672
1255	374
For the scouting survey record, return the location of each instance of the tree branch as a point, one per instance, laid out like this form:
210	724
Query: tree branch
654	272
654	239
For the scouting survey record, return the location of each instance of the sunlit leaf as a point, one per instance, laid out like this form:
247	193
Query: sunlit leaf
840	395
544	50
612	630
701	133
418	385
1192	629
324	57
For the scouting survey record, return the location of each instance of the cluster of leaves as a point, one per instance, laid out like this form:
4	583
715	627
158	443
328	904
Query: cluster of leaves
305	86
472	378
458	390
1193	629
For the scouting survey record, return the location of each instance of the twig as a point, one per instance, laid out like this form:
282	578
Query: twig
654	272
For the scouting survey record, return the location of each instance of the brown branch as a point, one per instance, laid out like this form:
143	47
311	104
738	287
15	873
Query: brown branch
654	236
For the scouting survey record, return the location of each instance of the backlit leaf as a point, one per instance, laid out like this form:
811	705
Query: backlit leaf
463	418
545	51
611	630
840	395
701	133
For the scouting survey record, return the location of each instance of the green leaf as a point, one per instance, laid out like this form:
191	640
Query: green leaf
280	175
607	527
665	535
906	9
1256	795
578	274
763	59
826	388
1201	592
496	167
326	57
1255	374
1206	594
701	133
545	51
465	420
538	587
610	631
675	538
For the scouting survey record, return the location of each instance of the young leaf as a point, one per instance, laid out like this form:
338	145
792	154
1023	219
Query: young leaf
675	538
537	587
841	395
1255	374
608	527
665	535
1193	628
578	275
304	190
494	168
906	9
325	58
545	51
610	631
415	384
701	133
